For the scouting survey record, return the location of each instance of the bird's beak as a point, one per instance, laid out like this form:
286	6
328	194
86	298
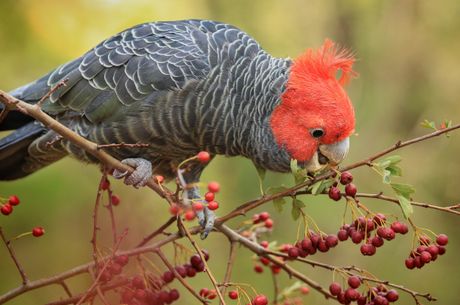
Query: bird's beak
328	155
335	153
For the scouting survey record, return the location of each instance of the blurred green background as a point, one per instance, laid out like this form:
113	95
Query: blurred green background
409	65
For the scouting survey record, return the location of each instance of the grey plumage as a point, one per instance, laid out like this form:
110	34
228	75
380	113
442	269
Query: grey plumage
180	86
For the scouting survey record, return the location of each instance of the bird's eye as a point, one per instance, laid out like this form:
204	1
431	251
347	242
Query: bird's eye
317	133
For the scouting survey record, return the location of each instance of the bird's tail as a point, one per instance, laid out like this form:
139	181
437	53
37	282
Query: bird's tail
14	150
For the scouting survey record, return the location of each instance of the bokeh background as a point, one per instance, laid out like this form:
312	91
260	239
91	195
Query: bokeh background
409	67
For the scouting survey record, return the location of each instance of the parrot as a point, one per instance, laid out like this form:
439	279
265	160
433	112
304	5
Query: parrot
183	87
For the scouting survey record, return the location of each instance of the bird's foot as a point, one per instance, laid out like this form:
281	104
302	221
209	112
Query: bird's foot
206	219
141	174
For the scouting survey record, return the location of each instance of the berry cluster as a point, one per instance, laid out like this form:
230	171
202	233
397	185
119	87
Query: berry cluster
427	251
151	289
264	218
148	291
7	208
361	230
310	245
350	189
197	206
374	296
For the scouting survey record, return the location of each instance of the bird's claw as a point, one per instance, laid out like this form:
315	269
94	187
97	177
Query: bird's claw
206	219
141	174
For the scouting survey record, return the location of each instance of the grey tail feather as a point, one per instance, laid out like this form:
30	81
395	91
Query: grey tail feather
14	150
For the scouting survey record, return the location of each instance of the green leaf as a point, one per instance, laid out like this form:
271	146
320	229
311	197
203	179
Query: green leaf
403	189
388	168
276	189
297	205
406	206
300	174
395	170
403	193
261	175
278	203
428	124
320	186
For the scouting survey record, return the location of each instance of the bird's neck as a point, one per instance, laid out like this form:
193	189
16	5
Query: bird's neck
249	90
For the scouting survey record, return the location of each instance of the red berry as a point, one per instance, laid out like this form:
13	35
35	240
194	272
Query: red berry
204	292
350	190
213	187
258	269
410	263
164	297
212	294
275	269
380	300
189	215
213	205
368	249
260	300
357	237
122	260
264	260
354	281
332	240
209	196
174	295
105	185
115	268
304	290
6	209
181	270
268	223
335	289
342	235
167	277
306	244
38	231
196	260
377	241
127	296
352	294
334	193
159	179
264	216
392	295
433	249
346	178
115	200
386	233
322	246
174	209
293	252
441	250
442	239
197	206
264	244
425	256
380	219
140	294
138	282
191	271
203	157
13	200
233	294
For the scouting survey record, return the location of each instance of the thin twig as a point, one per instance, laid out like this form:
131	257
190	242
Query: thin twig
200	253
98	290
66	288
52	90
112	214
157	231
177	275
230	264
7	243
448	209
95	213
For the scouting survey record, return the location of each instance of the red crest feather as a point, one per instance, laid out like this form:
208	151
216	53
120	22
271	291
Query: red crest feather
323	63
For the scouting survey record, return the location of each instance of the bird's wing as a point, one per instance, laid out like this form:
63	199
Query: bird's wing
132	65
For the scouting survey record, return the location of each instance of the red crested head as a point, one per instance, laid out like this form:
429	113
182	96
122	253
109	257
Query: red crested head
315	110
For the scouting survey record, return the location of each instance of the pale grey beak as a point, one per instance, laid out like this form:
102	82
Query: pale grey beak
328	155
335	153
